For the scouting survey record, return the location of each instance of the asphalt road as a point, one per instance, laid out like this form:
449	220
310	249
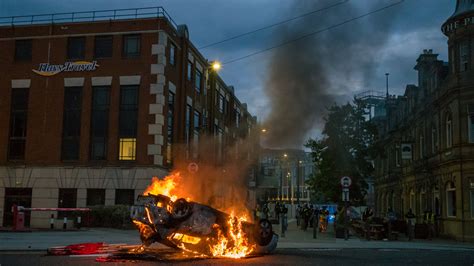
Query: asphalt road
280	257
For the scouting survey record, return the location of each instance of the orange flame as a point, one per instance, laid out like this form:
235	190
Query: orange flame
166	186
236	244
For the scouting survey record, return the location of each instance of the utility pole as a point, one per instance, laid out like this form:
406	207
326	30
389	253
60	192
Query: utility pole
298	180
386	81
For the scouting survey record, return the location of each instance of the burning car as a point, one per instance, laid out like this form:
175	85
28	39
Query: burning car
198	228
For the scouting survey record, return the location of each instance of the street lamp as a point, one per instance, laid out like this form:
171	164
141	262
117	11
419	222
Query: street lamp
216	66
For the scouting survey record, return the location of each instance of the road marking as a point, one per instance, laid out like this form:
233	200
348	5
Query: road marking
388	249
321	249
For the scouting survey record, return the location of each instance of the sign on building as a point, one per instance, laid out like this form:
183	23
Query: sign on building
407	151
47	69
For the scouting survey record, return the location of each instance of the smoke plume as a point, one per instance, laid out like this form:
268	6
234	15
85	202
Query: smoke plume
307	76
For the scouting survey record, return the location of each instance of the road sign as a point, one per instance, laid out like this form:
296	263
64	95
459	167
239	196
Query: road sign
193	168
345	194
346	181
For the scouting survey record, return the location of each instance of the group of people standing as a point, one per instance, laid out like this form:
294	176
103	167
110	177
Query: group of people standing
429	219
263	211
309	216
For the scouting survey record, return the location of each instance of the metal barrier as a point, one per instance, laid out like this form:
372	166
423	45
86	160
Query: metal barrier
19	216
84	16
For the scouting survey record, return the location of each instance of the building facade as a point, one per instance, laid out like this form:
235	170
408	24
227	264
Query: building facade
93	104
428	136
282	176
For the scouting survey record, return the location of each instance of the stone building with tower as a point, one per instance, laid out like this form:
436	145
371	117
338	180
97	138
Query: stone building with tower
428	136
94	104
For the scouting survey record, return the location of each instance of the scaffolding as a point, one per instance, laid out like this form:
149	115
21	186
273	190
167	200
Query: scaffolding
374	103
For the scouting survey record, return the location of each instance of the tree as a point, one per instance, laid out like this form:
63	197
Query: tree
346	148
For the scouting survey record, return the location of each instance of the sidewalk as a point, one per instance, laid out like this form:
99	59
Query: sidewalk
294	238
297	238
42	240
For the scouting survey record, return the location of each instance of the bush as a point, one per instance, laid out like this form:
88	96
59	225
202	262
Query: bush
117	216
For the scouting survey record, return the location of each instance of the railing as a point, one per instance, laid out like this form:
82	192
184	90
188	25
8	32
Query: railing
370	94
87	16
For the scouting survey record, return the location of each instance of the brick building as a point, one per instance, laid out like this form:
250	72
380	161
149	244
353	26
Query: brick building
93	104
428	136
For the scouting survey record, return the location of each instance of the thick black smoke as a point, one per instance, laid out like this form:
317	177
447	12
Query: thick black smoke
311	74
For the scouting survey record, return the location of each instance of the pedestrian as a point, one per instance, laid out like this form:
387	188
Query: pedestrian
306	216
265	211
258	214
277	211
367	219
410	216
390	218
298	215
284	211
428	219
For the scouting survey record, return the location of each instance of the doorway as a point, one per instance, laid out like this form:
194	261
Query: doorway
20	197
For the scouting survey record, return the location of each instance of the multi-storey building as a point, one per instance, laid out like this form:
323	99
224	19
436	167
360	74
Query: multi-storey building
282	176
93	104
428	136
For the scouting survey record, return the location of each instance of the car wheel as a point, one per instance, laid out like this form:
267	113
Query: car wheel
181	209
264	232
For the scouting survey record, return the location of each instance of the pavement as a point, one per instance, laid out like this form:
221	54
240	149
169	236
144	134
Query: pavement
295	238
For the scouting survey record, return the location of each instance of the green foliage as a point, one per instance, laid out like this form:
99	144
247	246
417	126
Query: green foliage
117	216
345	149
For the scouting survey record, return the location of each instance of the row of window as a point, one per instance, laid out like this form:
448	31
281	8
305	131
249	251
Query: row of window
67	198
420	202
76	47
72	112
448	140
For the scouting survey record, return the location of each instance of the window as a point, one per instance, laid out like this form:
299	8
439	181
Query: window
197	119
422	147
237	117
131	45
18	124
464	56
99	122
128	119
452	60
221	103
198	81
190	70
170	118
67	198
451	199
434	139
103	46
220	143
472	196
172	54
472	203
449	131
23	50
124	197
76	47
71	123
470	122
95	196
188	123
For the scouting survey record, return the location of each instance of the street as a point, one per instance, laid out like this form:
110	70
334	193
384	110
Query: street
280	257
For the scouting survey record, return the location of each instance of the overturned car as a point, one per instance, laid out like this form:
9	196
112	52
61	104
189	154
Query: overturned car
199	228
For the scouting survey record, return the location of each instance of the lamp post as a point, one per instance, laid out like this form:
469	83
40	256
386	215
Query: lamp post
298	180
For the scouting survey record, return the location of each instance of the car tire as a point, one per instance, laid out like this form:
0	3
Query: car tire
263	232
181	209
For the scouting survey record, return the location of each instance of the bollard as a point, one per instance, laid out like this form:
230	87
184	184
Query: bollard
79	222
282	226
315	227
51	221
65	223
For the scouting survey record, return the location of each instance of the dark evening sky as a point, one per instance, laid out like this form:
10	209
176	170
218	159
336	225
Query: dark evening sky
395	39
